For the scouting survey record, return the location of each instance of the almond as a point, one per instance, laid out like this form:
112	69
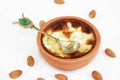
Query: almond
96	75
92	14
15	74
110	53
59	1
30	61
61	77
42	23
40	79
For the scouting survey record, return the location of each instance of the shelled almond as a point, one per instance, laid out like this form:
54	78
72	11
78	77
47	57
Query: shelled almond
92	14
42	23
61	77
96	75
30	61
15	74
110	52
59	1
40	78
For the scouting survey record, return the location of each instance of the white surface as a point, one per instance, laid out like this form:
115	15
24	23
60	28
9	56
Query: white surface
17	43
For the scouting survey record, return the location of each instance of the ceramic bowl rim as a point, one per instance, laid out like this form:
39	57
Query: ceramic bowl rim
82	58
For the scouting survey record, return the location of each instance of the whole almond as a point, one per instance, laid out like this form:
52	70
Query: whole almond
92	14
59	1
61	77
110	53
15	74
42	23
96	75
30	61
40	79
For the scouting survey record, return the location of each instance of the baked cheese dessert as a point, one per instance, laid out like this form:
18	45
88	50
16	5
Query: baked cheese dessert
69	30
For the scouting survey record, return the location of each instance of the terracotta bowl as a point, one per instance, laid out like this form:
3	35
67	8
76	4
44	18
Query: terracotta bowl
68	64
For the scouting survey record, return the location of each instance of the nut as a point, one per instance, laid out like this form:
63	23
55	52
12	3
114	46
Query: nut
92	14
110	53
96	75
59	1
42	23
61	77
15	74
40	78
30	61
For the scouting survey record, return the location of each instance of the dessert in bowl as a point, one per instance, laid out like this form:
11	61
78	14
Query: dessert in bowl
68	28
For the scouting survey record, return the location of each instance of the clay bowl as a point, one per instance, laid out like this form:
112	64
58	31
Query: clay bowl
73	63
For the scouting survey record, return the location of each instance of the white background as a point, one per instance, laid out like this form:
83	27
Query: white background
17	43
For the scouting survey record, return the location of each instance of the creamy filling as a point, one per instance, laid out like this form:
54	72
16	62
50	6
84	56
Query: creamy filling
69	33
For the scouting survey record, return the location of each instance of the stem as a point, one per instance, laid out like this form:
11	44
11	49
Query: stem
44	33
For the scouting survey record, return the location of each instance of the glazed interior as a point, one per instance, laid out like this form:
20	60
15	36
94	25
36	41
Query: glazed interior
69	29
